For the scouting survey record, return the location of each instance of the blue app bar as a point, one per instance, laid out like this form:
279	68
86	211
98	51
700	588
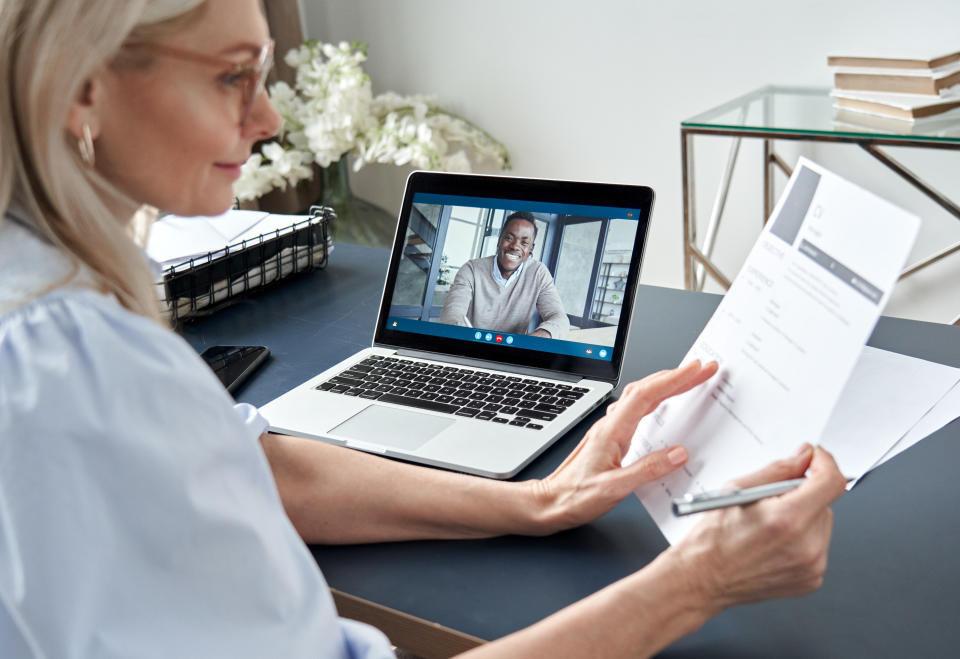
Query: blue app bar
556	346
529	206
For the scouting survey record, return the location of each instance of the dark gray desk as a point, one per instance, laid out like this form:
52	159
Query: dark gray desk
892	588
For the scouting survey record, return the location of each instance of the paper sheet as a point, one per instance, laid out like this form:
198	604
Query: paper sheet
886	396
787	336
232	224
174	239
945	411
269	224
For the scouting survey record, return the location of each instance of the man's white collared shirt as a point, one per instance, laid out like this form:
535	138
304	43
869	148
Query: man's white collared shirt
497	277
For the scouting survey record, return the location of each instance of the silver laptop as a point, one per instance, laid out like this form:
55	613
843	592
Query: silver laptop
503	322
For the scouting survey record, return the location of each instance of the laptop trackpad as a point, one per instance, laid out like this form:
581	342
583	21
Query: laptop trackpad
392	427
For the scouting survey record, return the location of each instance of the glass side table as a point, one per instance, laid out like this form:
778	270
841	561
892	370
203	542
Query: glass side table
797	113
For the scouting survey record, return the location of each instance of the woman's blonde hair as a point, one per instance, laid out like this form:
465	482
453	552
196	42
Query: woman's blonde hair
48	49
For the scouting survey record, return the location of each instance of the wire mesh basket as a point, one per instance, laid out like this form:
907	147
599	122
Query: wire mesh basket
207	283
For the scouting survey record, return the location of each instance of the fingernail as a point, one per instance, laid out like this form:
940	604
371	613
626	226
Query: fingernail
677	455
803	451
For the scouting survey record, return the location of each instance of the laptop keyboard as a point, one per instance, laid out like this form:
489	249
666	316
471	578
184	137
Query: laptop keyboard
511	400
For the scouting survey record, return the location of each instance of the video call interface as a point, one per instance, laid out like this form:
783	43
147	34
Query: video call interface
519	274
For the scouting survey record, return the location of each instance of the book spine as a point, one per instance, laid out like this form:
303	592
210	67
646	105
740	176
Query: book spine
892	62
874	108
931	110
883	109
873	63
895	84
944	60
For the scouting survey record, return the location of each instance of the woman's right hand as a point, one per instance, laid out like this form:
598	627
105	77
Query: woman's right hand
776	547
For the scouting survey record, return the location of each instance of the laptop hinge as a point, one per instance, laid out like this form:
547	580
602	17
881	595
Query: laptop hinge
479	363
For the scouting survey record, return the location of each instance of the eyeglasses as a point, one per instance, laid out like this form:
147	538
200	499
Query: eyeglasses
248	77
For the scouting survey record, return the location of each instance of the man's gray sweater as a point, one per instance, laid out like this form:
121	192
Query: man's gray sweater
477	300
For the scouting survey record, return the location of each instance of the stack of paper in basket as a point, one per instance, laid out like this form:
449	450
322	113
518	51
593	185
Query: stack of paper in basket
904	88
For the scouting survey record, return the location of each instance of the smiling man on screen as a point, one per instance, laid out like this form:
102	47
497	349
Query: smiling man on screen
500	292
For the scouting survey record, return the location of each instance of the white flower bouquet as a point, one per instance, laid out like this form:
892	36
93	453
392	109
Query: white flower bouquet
331	111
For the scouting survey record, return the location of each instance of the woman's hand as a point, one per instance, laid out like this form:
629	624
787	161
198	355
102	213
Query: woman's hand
591	481
337	495
776	547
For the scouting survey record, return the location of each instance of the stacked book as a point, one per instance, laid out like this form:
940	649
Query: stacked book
907	88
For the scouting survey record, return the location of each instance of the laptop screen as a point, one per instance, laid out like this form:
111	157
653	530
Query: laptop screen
519	271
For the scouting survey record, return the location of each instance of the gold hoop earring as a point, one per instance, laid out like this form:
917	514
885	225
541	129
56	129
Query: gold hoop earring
85	144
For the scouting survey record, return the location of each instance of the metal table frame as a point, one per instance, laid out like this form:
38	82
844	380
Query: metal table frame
697	262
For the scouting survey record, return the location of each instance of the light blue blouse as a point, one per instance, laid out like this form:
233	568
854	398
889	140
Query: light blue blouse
138	513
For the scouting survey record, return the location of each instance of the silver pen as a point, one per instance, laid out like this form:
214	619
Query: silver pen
697	503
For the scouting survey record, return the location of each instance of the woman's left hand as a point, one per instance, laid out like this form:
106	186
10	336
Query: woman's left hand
591	481
336	495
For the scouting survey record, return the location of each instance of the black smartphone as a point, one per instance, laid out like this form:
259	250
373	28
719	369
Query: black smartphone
234	364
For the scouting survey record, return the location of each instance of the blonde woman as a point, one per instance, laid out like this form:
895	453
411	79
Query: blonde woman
141	512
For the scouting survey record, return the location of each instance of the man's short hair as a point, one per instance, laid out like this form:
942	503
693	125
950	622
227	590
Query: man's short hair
520	215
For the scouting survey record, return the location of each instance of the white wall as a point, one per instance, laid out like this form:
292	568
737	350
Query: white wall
596	90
